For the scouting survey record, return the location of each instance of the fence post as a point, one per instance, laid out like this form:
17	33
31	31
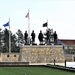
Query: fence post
65	63
54	61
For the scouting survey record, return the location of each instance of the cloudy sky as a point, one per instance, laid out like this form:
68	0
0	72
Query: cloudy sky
59	13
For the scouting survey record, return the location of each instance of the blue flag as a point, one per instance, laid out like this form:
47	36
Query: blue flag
7	24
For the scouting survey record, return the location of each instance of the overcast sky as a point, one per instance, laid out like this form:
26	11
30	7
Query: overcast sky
60	15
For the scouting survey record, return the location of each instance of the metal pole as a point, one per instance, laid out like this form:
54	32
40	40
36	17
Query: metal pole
47	23
29	25
9	38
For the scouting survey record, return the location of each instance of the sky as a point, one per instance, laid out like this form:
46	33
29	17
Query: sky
59	13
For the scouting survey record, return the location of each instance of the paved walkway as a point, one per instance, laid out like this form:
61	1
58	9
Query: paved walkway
61	64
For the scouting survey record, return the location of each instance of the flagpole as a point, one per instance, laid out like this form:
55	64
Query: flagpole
29	25
9	38
47	23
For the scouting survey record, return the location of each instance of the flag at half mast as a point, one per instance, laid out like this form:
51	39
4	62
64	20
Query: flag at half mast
27	15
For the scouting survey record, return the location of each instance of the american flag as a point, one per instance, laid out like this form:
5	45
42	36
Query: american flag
27	15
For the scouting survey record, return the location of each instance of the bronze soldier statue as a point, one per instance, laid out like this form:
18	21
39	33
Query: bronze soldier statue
26	37
33	37
40	37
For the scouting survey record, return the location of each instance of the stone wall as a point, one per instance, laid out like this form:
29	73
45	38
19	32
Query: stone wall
9	57
69	57
38	54
42	54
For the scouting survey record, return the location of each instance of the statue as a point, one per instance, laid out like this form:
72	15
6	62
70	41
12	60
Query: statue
48	35
40	37
33	37
55	37
26	37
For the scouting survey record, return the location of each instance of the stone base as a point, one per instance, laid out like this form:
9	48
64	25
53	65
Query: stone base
34	44
41	44
38	54
43	54
27	44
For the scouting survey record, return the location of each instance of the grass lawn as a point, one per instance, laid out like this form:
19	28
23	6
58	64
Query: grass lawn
32	71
